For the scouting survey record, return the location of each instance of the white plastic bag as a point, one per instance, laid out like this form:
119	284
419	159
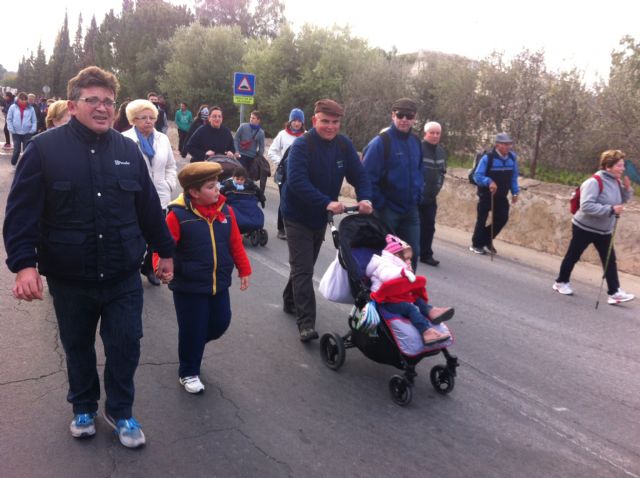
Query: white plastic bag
334	285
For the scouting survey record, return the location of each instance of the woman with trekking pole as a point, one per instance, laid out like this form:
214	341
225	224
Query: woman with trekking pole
602	199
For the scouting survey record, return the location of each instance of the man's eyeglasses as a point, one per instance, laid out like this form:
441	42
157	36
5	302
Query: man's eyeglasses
94	101
145	118
409	116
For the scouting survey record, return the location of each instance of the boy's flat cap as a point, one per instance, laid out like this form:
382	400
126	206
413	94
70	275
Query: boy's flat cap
198	172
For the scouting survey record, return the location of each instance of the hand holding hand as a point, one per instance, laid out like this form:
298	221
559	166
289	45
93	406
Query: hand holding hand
165	270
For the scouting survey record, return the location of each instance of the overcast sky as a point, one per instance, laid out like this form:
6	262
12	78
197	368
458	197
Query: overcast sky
580	34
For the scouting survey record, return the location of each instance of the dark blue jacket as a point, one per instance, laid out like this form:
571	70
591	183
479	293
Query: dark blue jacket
504	172
205	138
397	181
203	263
82	207
315	173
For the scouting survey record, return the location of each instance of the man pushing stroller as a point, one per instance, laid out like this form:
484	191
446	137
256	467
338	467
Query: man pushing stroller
392	269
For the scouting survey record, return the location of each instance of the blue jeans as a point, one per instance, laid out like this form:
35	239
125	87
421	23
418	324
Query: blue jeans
417	312
406	226
201	318
118	308
19	143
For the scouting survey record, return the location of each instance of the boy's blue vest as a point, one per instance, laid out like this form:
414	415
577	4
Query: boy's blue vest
203	262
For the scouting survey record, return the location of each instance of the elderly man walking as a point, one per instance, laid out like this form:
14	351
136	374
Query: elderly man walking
80	208
318	162
434	164
393	161
496	175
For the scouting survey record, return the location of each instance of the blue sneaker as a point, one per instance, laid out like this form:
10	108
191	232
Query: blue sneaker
83	425
128	430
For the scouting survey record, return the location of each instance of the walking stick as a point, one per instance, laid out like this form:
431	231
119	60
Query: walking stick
606	262
493	219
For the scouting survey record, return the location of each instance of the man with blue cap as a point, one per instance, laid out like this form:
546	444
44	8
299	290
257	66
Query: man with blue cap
496	175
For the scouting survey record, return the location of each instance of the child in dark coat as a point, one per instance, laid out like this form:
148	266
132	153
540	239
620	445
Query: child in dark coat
208	245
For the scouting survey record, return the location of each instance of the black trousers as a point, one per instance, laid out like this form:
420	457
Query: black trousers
580	240
304	246
182	135
482	233
7	135
427	228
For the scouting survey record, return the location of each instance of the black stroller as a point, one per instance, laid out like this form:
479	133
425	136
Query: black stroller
357	239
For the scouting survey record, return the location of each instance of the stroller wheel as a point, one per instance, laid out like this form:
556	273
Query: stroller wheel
442	379
332	351
254	238
264	237
401	391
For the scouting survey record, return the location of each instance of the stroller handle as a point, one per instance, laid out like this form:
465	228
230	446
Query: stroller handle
334	230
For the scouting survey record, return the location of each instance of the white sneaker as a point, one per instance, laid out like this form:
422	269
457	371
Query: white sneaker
563	287
192	384
619	296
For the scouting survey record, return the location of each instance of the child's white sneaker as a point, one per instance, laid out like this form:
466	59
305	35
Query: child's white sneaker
563	287
192	384
619	296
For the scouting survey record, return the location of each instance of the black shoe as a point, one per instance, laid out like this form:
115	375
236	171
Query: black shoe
282	235
308	334
152	278
429	261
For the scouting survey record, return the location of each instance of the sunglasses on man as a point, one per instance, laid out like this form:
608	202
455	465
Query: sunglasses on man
409	116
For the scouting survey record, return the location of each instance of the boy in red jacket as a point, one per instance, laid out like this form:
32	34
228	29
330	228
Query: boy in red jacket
208	245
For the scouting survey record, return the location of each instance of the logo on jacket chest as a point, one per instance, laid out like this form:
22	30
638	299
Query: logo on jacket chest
117	162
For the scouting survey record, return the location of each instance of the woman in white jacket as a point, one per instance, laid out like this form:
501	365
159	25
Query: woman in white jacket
158	155
285	138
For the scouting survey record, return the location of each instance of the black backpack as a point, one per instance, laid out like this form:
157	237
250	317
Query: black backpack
280	176
490	154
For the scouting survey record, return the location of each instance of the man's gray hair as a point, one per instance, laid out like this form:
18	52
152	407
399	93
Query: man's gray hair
431	124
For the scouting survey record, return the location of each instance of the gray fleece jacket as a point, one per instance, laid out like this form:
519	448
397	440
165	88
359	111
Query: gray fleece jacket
596	208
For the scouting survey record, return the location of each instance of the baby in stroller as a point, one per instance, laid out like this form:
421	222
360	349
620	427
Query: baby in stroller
243	195
240	182
393	263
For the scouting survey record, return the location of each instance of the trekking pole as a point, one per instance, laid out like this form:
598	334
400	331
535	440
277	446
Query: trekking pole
493	219
606	262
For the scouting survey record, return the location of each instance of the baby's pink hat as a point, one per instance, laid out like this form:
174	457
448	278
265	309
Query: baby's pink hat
395	244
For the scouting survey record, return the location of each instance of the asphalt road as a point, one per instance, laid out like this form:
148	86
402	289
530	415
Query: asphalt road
547	385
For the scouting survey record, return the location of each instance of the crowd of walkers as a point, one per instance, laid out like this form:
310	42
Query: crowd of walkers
93	207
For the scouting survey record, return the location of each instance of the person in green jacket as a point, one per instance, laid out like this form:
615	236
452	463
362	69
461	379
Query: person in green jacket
183	122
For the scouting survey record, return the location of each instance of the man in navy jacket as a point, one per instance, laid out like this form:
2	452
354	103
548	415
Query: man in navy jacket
396	174
81	208
317	164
